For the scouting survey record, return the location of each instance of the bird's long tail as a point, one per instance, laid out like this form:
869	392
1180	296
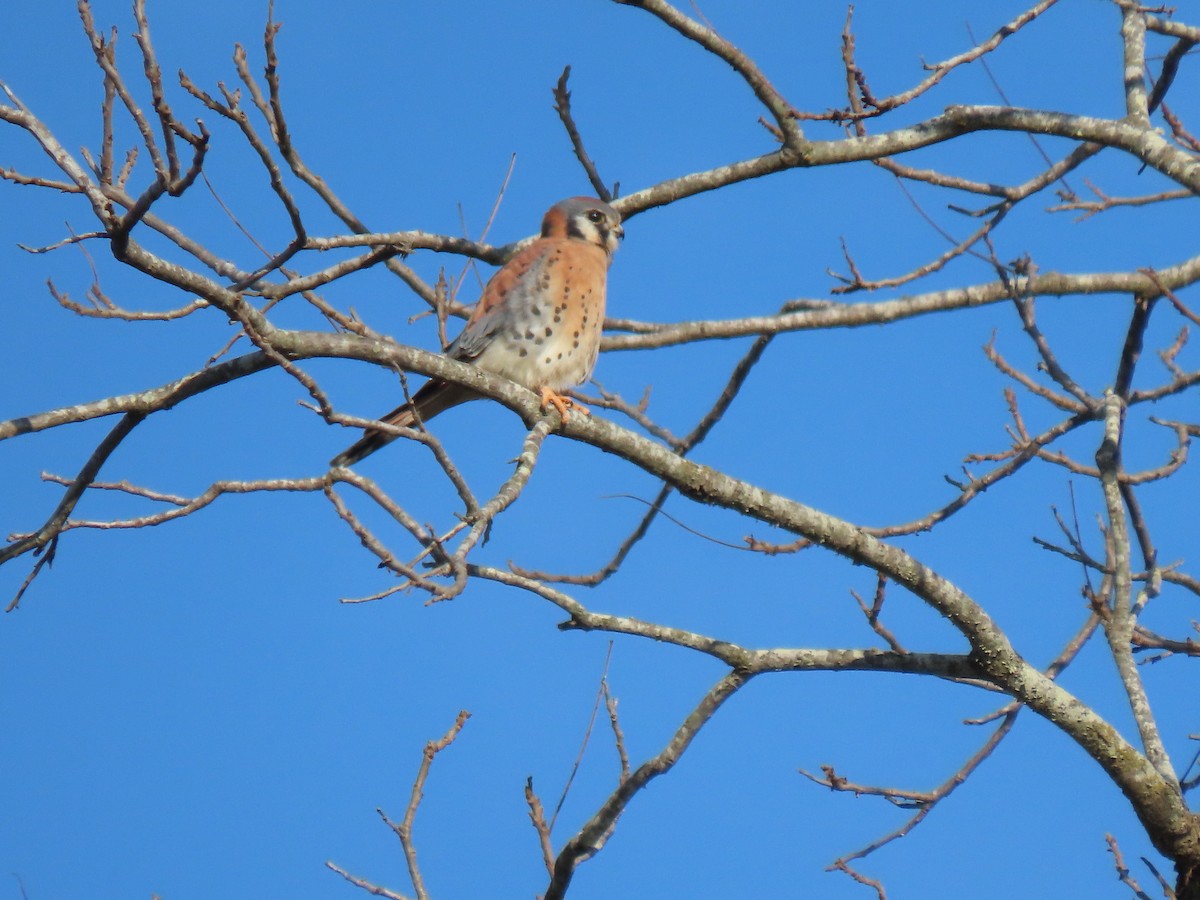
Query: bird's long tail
433	397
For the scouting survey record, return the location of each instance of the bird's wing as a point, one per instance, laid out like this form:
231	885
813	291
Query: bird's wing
496	307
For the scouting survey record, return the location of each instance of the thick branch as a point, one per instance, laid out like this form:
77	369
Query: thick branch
852	315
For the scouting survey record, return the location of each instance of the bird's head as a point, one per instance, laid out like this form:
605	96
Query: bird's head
584	219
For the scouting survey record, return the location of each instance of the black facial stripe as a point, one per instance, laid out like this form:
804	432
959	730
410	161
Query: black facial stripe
573	230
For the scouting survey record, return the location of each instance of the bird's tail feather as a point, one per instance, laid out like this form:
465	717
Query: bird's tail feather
433	397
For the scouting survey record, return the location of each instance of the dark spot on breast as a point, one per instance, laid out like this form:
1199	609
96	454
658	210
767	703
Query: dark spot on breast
522	352
549	331
548	360
534	309
575	345
529	334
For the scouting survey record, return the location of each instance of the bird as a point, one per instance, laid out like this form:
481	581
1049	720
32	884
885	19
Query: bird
538	321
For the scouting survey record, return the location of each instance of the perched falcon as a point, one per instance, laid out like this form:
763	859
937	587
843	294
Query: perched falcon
538	322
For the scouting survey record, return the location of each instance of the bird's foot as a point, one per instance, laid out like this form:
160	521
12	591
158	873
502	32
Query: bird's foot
562	403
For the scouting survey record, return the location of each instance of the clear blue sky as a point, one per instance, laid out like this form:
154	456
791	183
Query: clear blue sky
189	710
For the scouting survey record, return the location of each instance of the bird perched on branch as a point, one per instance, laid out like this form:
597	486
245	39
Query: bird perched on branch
538	322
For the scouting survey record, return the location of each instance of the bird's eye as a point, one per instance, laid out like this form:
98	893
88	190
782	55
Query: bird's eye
594	215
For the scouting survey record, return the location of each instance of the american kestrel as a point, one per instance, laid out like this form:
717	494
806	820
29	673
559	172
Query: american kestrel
538	322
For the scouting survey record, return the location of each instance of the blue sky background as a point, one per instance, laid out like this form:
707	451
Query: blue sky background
189	710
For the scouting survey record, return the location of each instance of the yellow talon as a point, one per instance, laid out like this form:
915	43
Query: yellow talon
561	403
